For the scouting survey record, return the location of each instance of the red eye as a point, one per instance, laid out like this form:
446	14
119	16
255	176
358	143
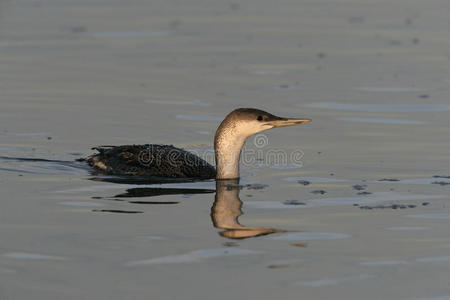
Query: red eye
259	118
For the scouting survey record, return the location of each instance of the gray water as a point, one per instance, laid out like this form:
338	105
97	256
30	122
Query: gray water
356	206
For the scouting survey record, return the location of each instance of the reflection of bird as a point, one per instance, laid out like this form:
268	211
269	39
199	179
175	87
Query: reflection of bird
227	209
169	161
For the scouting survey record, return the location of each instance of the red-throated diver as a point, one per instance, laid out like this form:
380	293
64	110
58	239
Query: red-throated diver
171	162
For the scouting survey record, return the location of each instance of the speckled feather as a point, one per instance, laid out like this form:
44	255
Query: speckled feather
150	160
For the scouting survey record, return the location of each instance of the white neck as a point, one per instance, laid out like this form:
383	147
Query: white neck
227	147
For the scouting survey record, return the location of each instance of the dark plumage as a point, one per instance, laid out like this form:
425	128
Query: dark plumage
150	160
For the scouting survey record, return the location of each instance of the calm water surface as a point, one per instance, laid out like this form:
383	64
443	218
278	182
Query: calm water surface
357	208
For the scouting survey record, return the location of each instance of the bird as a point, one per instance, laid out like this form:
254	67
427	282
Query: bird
168	161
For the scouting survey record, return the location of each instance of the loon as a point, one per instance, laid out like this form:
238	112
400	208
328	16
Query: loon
167	161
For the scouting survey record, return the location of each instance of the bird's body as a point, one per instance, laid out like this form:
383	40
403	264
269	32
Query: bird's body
170	162
150	160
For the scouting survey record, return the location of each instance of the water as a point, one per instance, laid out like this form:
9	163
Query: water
374	77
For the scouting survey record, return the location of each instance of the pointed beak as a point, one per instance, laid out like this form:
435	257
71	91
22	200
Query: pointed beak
282	122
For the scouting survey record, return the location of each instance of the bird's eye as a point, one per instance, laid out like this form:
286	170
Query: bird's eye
259	118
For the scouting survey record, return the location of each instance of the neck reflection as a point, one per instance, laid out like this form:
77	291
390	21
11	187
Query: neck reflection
227	209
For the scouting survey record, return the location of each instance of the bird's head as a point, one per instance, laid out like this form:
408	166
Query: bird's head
249	121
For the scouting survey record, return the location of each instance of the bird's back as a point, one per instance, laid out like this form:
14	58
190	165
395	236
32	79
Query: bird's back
150	160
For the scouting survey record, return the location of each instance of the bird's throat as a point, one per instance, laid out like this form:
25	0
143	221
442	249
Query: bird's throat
227	147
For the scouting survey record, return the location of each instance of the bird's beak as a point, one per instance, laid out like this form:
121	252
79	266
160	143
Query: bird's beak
282	122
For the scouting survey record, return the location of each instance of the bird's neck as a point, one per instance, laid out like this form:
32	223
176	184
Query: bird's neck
227	148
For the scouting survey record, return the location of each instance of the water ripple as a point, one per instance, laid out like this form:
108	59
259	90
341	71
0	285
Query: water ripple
191	257
381	107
